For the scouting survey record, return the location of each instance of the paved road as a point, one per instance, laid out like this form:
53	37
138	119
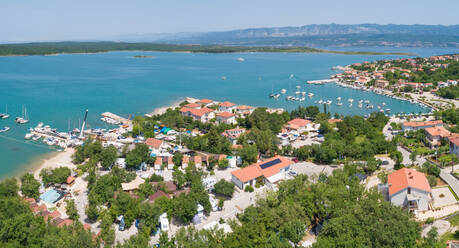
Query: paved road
406	157
450	179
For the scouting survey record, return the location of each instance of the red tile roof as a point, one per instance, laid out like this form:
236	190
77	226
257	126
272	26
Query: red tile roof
87	226
244	107
298	123
70	180
225	114
253	171
438	131
227	104
455	141
405	178
65	222
422	123
193	105
155	143
205	101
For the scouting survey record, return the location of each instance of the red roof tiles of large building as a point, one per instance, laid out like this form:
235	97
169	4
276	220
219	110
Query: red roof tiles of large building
225	114
227	104
193	105
253	171
438	131
200	112
405	178
422	123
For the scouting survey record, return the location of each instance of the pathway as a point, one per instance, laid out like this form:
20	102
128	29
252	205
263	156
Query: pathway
445	175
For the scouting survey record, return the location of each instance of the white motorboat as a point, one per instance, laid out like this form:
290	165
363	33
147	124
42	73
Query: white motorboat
4	129
339	104
338	98
283	91
350	100
240	59
311	94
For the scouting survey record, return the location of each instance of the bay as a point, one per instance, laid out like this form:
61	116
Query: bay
57	89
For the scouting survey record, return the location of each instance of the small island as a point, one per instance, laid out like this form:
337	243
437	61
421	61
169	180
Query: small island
142	56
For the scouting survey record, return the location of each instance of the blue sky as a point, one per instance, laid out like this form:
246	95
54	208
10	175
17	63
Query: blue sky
35	20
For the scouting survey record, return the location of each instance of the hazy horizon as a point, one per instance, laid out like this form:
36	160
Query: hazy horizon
53	20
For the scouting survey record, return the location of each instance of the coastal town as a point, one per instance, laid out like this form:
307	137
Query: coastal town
219	171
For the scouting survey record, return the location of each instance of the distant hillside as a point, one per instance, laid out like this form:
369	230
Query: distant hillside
319	35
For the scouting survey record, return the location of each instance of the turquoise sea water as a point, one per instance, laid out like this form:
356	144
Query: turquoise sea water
57	89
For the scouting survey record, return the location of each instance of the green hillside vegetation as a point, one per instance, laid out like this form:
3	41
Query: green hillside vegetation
48	48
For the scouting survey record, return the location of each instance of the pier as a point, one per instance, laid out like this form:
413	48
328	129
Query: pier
115	117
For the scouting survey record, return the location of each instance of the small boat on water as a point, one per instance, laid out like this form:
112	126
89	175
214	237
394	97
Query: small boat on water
303	93
311	94
297	92
339	104
240	59
329	102
338	98
283	91
24	119
29	136
350	100
4	129
5	115
350	105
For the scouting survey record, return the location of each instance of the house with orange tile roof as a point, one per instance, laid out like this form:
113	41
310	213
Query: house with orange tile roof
70	180
233	134
158	163
454	145
409	188
185	161
62	222
271	170
226	107
170	163
226	117
203	114
434	135
299	125
417	125
205	102
244	110
197	161
193	105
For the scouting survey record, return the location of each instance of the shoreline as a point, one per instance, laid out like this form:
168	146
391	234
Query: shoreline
173	105
51	161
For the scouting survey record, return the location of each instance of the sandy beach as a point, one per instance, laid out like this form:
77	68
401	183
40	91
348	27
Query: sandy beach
176	104
61	159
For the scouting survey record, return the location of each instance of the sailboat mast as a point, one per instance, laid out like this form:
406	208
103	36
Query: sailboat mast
84	123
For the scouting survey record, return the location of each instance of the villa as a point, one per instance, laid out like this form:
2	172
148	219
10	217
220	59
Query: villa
226	107
203	114
226	117
156	145
299	125
233	134
409	188
417	125
434	135
205	102
271	171
244	110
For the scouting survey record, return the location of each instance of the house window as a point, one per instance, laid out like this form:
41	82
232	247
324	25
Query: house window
409	190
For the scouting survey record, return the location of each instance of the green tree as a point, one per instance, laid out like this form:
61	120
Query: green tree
224	187
9	187
177	159
108	156
30	186
184	207
223	164
71	210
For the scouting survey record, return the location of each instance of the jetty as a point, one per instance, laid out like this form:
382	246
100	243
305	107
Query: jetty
108	116
323	81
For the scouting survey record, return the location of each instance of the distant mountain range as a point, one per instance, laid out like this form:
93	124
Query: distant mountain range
317	35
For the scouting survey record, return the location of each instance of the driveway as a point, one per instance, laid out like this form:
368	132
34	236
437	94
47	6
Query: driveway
442	197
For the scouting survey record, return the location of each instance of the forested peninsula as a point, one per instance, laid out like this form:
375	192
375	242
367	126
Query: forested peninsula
50	48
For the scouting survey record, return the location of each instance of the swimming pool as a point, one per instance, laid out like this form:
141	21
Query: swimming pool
51	196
